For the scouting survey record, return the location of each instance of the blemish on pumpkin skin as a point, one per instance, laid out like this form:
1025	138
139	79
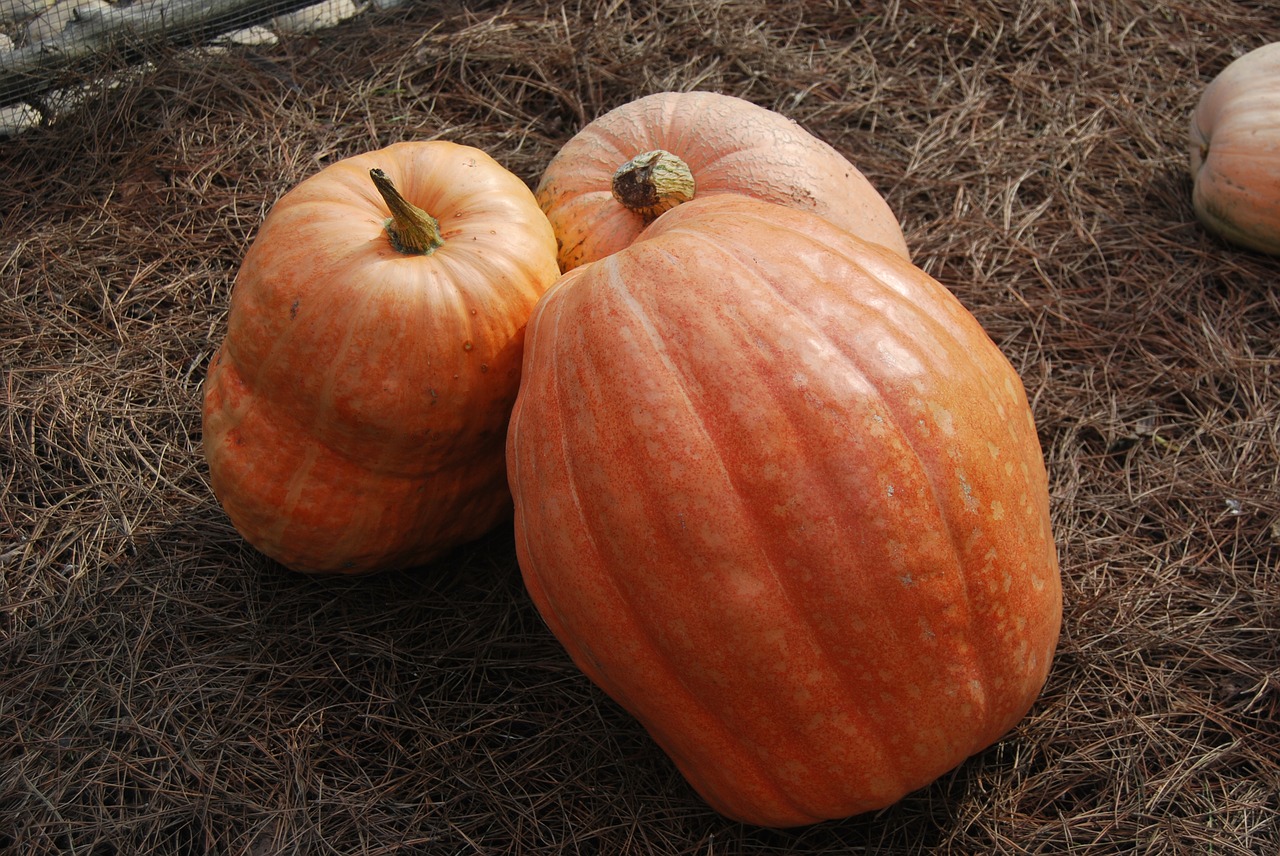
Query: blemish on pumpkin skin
466	346
942	418
293	310
966	489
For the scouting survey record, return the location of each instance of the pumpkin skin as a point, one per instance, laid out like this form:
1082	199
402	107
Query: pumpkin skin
355	413
779	495
1235	152
730	146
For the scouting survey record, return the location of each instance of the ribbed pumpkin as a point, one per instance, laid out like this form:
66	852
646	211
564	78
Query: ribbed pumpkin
626	167
781	497
1235	152
356	411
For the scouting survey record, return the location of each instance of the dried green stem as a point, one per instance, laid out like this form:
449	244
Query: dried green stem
412	231
652	183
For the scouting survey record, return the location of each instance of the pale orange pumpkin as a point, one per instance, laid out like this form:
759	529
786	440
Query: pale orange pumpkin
356	411
1235	152
626	167
781	497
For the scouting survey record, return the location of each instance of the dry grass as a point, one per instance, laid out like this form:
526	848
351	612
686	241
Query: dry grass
165	690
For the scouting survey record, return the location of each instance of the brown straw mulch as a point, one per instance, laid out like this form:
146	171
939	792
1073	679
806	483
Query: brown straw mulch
166	690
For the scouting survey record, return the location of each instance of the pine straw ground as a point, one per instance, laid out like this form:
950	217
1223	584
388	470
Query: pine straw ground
166	690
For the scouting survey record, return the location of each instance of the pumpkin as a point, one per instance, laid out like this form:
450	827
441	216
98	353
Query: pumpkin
622	170
1235	152
779	496
355	413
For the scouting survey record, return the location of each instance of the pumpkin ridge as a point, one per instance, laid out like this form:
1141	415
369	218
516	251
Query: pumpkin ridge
532	356
728	124
889	406
720	155
781	794
659	657
784	589
295	208
315	427
339	352
892	408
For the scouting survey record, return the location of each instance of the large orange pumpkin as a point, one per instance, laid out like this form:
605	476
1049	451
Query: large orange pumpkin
623	169
780	496
1235	152
355	414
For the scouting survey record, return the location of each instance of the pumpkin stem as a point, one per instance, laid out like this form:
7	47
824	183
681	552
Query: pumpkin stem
412	231
653	182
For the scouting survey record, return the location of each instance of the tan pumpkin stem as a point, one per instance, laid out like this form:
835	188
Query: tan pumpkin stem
412	230
652	183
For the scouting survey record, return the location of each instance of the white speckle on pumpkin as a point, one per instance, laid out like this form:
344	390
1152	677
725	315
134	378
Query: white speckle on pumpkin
889	490
897	553
970	502
942	418
997	509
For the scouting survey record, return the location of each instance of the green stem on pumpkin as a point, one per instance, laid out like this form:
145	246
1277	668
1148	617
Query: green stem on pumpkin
652	183
412	230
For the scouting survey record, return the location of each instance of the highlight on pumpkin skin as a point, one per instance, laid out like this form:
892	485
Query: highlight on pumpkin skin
652	183
412	231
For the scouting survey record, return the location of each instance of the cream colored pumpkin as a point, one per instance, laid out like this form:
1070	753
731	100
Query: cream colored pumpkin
1235	152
